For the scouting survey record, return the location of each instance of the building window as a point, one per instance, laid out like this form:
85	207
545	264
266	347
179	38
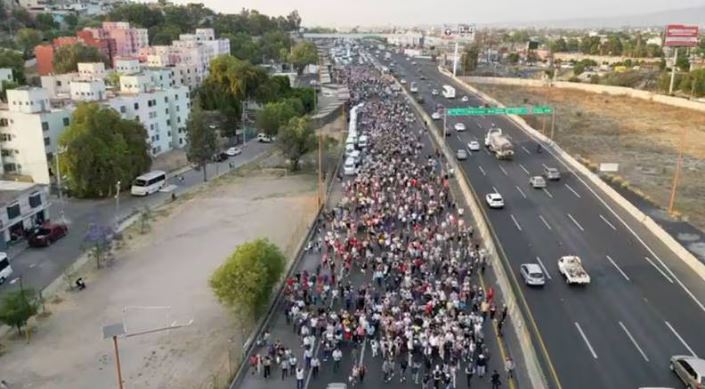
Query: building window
45	126
168	122
123	109
3	122
13	211
5	153
137	106
35	199
9	167
5	137
66	121
47	141
181	141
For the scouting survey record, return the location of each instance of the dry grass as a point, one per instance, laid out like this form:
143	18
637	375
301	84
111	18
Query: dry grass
642	136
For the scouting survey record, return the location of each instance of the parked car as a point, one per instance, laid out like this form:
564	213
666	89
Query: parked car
690	369
47	234
220	157
532	274
264	138
403	81
537	182
461	154
233	151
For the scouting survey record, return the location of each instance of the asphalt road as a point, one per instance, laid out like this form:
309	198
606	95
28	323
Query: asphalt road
643	305
38	267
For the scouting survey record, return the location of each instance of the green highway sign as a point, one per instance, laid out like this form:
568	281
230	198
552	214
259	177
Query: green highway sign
537	110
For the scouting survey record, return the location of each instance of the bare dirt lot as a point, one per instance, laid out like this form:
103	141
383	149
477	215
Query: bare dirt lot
167	267
643	137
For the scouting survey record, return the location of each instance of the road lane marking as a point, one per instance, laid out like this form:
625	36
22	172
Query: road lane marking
587	342
521	191
495	190
608	222
576	222
681	339
659	269
626	277
525	149
545	222
545	271
458	136
524	169
481	170
626	331
572	190
487	151
503	171
547	192
516	223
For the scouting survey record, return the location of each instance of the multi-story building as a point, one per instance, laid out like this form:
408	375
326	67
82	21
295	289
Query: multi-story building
5	76
128	40
24	205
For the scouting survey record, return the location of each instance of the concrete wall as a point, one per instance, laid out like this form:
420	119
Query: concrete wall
592	88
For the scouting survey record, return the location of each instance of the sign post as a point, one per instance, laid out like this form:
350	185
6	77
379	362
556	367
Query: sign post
481	111
678	35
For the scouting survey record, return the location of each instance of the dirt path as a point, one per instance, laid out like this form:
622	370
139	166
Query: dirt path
168	267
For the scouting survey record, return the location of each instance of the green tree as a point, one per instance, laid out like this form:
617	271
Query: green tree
27	38
273	44
13	59
243	47
573	45
46	22
559	46
274	116
470	57
682	61
102	149
164	34
613	46
590	45
98	242
246	280
202	140
17	307
296	139
140	15
513	58
304	53
66	58
112	78
71	22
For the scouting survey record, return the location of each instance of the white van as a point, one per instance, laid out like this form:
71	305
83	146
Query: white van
350	167
356	156
362	142
148	183
349	148
5	268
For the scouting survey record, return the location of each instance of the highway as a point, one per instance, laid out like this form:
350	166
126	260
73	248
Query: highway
643	304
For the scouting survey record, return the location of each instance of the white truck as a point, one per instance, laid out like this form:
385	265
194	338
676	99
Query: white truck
572	269
448	92
499	144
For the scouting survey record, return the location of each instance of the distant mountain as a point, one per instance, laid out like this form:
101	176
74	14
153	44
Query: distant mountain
692	15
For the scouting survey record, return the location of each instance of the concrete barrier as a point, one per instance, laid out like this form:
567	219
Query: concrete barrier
591	88
574	165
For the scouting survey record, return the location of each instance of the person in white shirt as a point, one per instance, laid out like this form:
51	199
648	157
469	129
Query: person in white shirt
299	378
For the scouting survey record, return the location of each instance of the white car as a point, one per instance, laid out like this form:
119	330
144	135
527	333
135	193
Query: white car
572	269
233	151
434	92
403	81
537	182
459	127
532	274
436	116
474	146
494	200
264	138
465	99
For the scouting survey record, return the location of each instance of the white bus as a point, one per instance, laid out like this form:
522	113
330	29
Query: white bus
448	92
148	183
5	268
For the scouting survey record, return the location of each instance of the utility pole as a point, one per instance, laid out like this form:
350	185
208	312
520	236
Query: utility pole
117	203
445	120
673	70
58	184
117	362
553	122
455	59
677	173
320	170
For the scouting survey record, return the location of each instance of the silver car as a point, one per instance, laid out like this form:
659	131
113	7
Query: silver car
532	274
537	182
461	154
552	173
690	369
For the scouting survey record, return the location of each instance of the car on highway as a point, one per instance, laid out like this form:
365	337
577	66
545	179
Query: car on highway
459	127
494	200
690	369
465	99
233	151
403	81
552	173
419	99
537	182
461	154
474	145
571	267
47	234
434	92
264	138
532	274
413	62
422	77
436	116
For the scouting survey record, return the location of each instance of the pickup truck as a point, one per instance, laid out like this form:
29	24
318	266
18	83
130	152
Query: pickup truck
572	269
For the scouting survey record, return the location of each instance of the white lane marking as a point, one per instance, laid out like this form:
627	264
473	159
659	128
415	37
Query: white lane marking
545	271
626	331
626	277
576	222
608	222
458	136
547	192
524	169
521	191
481	170
487	151
659	269
495	190
516	223
570	188
503	171
525	149
681	339
544	166
545	222
587	342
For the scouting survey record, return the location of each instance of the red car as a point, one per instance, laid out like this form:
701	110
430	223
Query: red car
47	234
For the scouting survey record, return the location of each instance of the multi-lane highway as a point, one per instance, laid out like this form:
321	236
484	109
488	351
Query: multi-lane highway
643	304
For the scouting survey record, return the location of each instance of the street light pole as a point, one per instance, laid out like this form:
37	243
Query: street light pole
58	184
445	119
117	203
117	362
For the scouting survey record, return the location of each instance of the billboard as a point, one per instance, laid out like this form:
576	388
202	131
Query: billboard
678	35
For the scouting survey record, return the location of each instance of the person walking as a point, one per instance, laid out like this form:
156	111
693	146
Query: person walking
496	382
361	373
337	356
315	364
285	368
299	378
509	367
267	363
469	372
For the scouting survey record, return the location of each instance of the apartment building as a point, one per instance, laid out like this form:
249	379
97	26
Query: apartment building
5	76
24	205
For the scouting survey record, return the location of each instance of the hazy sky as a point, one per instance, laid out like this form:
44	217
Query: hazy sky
406	12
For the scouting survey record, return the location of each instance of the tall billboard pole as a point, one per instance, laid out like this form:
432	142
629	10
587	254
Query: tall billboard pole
678	35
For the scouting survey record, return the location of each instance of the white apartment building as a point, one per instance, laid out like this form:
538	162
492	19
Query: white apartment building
127	65
29	133
58	85
5	76
23	205
91	70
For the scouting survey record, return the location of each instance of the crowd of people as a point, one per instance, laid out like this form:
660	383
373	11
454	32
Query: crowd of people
398	270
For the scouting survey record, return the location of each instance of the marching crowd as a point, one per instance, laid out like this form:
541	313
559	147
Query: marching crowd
397	276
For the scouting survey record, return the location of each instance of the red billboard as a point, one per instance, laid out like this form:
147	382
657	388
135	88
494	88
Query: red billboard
678	35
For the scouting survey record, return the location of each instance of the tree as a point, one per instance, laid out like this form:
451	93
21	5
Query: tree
294	21
304	53
202	140
27	38
71	22
513	58
66	58
139	15
17	307
98	242
296	139
46	22
559	46
112	78
13	59
275	115
247	278
590	45
102	149
470	57
273	44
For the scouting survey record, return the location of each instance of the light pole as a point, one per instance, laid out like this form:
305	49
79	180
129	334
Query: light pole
677	173
60	150
117	203
445	120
